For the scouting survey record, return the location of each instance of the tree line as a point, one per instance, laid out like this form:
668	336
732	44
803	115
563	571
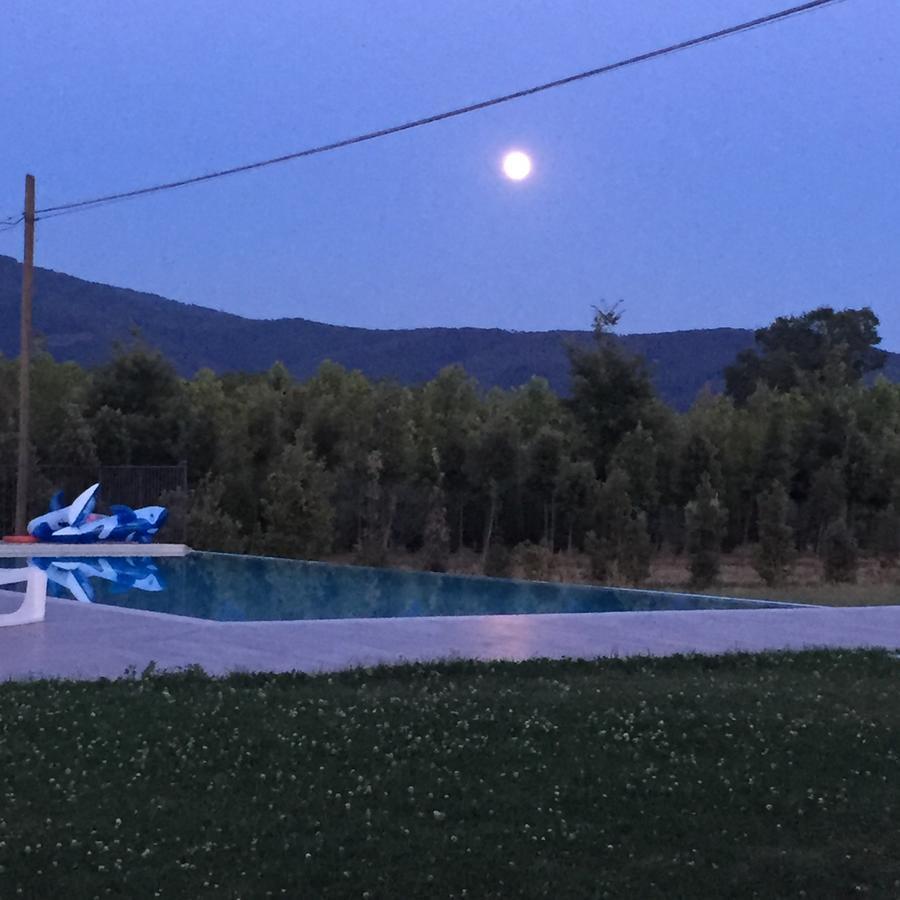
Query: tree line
801	453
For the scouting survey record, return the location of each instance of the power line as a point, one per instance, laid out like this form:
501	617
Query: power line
90	204
9	224
770	19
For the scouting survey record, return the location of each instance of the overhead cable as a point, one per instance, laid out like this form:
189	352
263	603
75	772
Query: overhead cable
762	21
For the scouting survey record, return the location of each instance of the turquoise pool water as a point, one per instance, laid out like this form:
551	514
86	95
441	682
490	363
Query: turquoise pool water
251	588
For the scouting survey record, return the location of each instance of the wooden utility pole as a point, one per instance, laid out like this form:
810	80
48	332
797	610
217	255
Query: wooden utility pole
25	362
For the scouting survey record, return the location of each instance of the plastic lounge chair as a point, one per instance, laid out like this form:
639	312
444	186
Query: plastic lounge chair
34	605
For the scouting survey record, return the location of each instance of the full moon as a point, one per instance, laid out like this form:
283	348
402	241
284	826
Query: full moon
516	165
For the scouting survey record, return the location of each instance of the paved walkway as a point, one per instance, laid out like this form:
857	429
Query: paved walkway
85	641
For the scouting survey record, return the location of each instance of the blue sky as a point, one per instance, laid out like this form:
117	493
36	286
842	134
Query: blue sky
725	185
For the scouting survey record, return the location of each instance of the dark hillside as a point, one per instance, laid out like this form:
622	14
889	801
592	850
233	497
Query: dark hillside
80	320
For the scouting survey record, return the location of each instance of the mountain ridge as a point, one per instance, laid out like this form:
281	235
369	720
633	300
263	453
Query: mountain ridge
81	320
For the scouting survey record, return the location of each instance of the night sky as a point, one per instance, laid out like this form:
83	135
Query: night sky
725	185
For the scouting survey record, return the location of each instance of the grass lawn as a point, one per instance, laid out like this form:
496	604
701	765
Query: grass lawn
742	776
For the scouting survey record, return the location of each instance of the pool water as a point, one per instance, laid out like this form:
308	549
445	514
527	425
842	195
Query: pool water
231	588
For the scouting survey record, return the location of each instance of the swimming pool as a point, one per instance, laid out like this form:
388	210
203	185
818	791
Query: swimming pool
232	588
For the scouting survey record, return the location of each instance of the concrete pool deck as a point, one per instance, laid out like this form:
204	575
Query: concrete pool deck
85	641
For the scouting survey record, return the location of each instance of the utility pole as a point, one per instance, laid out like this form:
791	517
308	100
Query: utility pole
25	362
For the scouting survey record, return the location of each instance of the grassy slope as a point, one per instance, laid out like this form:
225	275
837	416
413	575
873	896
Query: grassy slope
767	776
876	586
820	594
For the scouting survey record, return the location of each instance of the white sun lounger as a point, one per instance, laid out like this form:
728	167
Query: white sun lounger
34	605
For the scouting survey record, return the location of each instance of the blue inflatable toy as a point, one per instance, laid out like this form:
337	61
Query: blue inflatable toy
125	573
74	515
75	524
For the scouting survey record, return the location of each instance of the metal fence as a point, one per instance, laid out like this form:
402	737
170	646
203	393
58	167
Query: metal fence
133	486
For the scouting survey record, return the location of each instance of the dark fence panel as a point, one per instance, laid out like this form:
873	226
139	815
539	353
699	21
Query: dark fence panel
133	486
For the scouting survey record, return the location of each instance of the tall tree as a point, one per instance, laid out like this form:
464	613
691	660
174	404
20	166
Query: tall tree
614	513
776	460
776	550
394	437
60	430
611	390
544	461
146	399
536	406
372	547
824	344
494	469
297	509
827	502
577	491
699	458
636	455
448	424
705	519
436	537
71	444
636	550
886	542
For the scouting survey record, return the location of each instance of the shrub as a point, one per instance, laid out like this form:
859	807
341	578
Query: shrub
208	526
636	549
497	561
535	561
600	556
839	552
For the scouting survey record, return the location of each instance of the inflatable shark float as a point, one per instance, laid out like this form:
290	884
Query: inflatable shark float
124	573
77	524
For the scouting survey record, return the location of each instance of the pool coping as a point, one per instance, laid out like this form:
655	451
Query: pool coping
87	641
47	550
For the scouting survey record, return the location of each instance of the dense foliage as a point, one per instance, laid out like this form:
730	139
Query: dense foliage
342	463
741	777
822	345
